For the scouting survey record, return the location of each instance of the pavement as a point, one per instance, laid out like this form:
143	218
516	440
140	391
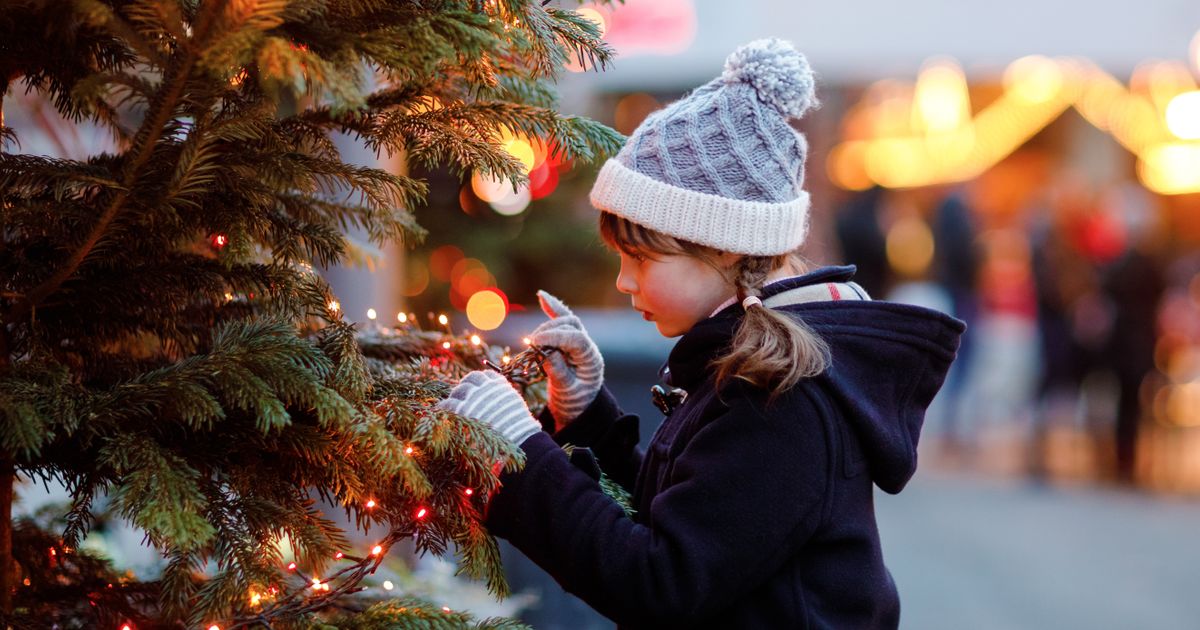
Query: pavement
996	554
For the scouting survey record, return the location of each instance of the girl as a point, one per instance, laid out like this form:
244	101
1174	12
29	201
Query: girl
795	394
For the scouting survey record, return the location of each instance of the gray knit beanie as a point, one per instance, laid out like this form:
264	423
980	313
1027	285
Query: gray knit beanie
721	166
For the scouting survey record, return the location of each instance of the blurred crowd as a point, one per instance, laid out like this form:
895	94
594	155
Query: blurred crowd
1082	309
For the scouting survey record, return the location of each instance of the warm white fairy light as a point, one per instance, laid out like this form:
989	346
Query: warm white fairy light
527	341
446	345
475	340
505	359
443	320
387	585
334	305
408	451
371	314
370	503
402	318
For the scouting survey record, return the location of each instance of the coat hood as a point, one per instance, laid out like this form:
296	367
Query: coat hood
888	362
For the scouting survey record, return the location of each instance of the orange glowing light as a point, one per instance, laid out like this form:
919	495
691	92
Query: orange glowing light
408	451
370	503
376	550
335	305
214	627
486	309
527	341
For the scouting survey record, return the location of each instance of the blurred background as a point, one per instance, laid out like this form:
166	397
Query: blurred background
1030	167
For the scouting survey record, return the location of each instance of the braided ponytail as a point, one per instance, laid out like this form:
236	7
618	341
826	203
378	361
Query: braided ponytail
769	349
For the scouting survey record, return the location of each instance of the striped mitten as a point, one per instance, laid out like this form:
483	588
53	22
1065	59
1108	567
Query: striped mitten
576	371
488	397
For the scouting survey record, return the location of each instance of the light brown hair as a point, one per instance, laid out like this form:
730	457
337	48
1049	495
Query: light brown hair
769	349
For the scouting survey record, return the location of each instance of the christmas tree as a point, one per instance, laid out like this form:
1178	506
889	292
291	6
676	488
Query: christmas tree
166	347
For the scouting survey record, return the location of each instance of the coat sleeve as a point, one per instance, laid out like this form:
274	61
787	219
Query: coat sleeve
611	434
746	492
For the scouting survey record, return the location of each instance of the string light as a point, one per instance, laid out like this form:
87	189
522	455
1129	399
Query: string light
402	318
214	627
255	599
371	314
505	359
475	340
527	341
338	556
387	585
446	345
291	566
445	609
334	305
316	583
443	320
370	503
376	550
469	491
408	451
126	627
421	513
220	240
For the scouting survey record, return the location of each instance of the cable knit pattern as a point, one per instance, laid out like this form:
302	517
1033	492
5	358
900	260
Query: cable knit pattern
722	167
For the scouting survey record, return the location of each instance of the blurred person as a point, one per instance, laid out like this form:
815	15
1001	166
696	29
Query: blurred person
792	394
862	241
1134	284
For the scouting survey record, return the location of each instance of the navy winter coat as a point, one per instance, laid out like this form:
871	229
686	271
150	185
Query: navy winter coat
749	514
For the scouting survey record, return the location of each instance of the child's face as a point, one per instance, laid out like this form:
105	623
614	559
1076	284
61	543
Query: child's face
673	291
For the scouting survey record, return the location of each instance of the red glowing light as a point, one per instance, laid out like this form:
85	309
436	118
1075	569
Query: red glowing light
469	491
220	240
291	566
338	555
421	513
370	504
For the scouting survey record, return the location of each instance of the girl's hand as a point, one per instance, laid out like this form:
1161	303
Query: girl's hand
576	371
488	397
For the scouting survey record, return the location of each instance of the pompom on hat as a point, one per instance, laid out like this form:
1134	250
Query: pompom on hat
722	167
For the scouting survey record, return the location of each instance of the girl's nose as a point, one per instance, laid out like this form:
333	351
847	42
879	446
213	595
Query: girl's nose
625	282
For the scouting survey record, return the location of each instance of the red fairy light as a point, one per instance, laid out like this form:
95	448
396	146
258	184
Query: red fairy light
421	513
219	240
338	555
291	566
469	491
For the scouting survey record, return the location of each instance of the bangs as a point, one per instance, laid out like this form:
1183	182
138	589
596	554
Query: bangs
623	235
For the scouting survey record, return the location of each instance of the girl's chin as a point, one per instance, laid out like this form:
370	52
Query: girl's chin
667	330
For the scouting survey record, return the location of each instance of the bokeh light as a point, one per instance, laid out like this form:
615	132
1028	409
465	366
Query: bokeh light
941	101
442	261
632	109
487	309
416	277
1183	115
910	247
1033	79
